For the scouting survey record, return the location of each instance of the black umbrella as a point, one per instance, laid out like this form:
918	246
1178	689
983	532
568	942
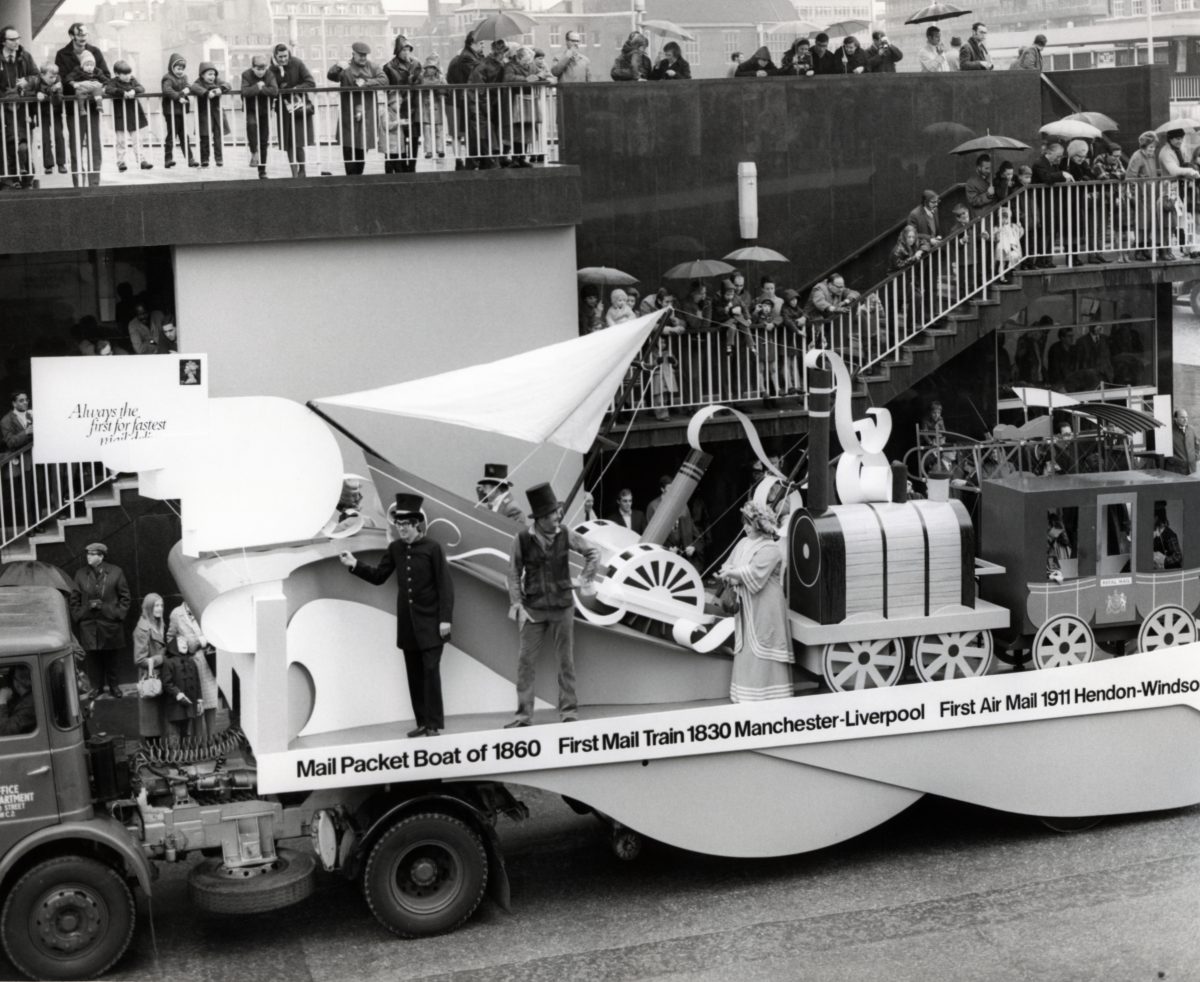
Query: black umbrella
936	11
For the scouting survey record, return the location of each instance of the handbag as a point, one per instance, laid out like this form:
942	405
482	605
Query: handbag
150	687
728	600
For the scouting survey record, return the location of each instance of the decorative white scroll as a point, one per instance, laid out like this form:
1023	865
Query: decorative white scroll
863	472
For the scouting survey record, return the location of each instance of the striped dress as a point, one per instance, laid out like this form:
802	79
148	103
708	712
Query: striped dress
762	648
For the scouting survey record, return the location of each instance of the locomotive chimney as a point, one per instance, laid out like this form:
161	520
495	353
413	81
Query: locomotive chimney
899	482
675	497
820	400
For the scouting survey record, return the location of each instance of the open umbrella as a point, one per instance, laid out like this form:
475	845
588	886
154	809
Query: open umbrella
33	572
981	144
1070	129
844	28
1177	124
698	269
604	276
506	24
948	130
756	254
1106	124
936	11
799	28
665	28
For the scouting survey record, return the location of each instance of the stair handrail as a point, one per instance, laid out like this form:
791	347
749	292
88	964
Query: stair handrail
34	494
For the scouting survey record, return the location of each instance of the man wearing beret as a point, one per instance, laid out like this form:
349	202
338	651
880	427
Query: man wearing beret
424	606
541	602
356	127
99	603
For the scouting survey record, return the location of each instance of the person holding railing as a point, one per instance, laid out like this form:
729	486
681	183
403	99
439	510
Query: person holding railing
16	66
794	340
1046	171
1088	203
403	117
46	87
830	301
294	122
128	116
464	115
1006	242
86	83
433	108
520	105
1143	164
356	126
924	219
208	89
489	115
908	251
1171	163
176	101
797	60
259	90
16	466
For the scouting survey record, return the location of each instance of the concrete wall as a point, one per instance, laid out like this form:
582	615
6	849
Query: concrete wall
309	319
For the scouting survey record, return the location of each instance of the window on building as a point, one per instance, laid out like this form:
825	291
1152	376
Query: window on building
1060	63
729	43
691	52
1081	59
1156	6
555	36
1138	7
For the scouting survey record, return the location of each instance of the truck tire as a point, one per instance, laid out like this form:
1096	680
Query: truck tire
218	890
426	875
68	918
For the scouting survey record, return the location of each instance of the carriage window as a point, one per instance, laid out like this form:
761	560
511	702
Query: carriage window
1116	539
1168	534
1062	543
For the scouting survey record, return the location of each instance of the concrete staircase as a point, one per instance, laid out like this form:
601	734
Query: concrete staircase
77	522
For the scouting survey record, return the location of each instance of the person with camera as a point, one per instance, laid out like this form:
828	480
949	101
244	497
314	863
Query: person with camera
882	55
424	606
99	603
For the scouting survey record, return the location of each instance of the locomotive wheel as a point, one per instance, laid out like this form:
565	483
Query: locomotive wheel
1063	640
1165	626
852	665
964	654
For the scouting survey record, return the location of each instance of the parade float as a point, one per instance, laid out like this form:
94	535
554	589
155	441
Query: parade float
882	591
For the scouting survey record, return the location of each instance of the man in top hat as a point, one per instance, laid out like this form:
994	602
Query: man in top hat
494	489
424	606
539	592
99	603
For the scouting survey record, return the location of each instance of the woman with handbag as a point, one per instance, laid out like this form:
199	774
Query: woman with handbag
149	651
762	646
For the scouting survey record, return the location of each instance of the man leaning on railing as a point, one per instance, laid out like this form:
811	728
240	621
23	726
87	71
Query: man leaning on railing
16	67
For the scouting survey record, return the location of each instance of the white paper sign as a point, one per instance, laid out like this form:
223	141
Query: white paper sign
122	411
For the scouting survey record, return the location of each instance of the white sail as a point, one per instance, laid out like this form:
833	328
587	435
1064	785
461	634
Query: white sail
557	394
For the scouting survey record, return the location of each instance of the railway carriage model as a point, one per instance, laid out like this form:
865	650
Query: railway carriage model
878	583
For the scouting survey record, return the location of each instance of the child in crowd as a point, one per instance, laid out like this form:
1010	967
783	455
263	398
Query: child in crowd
433	107
128	115
1007	240
176	101
208	89
86	83
46	87
182	701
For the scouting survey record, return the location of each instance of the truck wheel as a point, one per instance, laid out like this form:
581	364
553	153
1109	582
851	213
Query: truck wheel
426	875
219	890
68	918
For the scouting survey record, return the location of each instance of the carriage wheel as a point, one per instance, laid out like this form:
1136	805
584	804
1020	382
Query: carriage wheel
1165	626
1063	640
964	654
662	574
852	665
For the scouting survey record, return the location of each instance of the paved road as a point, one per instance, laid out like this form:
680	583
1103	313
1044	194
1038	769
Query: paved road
944	891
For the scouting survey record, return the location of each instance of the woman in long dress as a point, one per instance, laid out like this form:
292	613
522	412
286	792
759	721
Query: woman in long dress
149	650
762	648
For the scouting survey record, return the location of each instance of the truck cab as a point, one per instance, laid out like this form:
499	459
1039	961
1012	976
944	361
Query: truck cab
66	872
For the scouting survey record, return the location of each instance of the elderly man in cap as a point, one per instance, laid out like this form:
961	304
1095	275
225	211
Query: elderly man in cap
494	489
356	127
424	606
539	593
99	603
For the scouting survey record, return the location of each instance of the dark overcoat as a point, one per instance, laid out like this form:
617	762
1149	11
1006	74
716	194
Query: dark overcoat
424	595
102	629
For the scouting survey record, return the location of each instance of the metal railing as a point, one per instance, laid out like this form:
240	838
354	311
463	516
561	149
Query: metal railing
1185	88
1057	226
307	132
33	494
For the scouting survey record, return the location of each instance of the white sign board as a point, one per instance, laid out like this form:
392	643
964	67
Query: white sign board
123	411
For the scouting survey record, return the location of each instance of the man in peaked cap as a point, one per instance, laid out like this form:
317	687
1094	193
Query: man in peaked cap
539	592
424	606
494	489
99	603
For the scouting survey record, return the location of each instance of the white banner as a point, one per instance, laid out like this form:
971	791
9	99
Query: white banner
1163	678
123	411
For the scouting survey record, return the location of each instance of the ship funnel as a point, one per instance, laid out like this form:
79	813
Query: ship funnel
675	498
